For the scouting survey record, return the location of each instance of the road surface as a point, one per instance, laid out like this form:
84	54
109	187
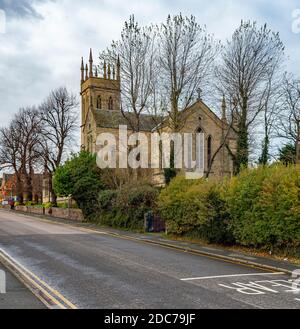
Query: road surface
97	270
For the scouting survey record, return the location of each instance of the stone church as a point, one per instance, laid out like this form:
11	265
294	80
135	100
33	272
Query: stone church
101	113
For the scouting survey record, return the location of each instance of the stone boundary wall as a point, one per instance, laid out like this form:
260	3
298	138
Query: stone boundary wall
7	207
38	211
72	214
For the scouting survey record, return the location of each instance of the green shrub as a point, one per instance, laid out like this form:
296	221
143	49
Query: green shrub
38	206
47	205
195	209
258	208
106	200
63	205
126	207
81	178
264	204
105	210
135	202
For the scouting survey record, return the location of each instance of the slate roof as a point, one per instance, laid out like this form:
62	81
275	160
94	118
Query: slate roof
112	119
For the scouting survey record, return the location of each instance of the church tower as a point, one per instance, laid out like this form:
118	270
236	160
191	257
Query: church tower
100	91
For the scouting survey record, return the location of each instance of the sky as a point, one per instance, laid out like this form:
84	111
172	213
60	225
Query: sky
42	41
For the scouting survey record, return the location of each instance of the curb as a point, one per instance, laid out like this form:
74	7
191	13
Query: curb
204	253
51	298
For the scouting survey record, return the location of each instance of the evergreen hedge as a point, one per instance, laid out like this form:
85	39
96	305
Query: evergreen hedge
264	205
258	208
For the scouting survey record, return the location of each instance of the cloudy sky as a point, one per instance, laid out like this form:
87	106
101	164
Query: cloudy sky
45	39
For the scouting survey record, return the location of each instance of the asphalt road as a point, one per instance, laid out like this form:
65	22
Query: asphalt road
96	270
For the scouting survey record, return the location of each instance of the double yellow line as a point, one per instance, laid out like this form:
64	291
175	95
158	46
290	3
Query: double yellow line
47	295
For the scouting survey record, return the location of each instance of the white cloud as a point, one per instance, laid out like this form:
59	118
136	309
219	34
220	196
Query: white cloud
39	54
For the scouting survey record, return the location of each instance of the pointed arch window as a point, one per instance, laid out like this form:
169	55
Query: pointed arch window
99	102
209	150
110	104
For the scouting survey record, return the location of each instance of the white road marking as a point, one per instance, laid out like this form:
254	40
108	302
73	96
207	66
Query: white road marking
231	276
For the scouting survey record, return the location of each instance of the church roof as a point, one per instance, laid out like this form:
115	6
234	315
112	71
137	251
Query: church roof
198	105
150	123
113	119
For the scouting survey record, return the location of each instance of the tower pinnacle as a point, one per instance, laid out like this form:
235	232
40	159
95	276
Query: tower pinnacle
109	72
86	72
82	70
104	70
118	69
91	63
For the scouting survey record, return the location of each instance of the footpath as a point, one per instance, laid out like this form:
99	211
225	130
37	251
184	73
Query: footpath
16	294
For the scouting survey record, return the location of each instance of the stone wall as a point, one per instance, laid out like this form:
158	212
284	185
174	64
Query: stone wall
34	210
72	214
7	207
21	208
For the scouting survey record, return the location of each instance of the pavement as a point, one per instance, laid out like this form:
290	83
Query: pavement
17	296
81	266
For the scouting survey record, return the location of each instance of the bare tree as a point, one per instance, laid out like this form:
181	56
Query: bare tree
288	124
27	123
270	113
248	62
19	149
9	154
135	54
186	56
59	120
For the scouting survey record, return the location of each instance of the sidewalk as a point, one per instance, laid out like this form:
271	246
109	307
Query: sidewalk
17	296
266	263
